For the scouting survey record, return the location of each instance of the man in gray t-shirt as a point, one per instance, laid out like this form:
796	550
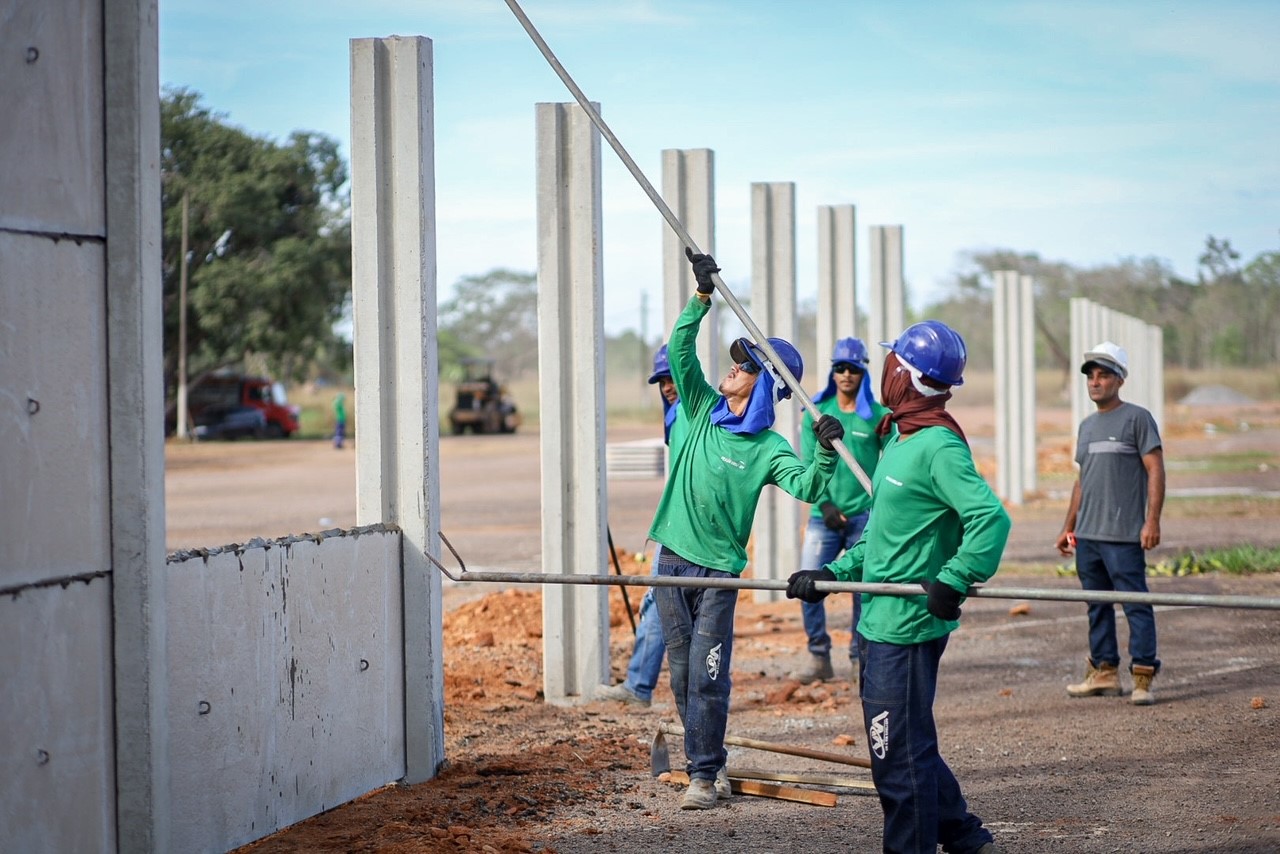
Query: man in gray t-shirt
1113	518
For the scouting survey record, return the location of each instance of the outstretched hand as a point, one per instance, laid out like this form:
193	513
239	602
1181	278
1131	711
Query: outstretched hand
802	585
829	430
703	267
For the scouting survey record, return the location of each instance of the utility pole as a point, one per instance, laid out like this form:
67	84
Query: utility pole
182	321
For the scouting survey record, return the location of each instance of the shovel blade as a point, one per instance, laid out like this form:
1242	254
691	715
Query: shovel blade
659	758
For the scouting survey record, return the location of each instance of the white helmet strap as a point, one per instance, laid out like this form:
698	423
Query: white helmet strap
926	390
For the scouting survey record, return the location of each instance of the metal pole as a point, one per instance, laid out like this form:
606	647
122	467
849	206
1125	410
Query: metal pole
1112	596
759	337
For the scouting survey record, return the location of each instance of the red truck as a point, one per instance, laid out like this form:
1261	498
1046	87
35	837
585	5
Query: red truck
225	392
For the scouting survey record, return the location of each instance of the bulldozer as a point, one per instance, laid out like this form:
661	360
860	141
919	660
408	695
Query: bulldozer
481	405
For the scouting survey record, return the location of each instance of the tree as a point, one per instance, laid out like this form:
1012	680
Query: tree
270	247
495	315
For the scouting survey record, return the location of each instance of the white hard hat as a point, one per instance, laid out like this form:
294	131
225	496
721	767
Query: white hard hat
1107	355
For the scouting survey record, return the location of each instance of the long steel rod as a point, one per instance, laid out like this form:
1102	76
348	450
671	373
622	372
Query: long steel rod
678	227
1114	596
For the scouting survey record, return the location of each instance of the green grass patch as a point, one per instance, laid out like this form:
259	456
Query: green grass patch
1232	560
1227	462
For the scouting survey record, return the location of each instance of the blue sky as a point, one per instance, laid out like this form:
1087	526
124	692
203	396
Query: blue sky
1083	131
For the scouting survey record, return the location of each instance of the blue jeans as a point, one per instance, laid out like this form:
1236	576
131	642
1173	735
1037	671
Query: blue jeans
922	803
821	546
1117	566
697	624
646	657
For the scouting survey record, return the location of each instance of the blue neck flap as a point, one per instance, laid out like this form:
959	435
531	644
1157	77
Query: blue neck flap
864	399
756	417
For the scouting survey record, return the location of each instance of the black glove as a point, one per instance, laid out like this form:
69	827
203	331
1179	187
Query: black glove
944	601
832	517
828	430
801	584
703	267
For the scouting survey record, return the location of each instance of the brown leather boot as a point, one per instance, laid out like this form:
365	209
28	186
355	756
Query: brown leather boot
1142	676
1101	681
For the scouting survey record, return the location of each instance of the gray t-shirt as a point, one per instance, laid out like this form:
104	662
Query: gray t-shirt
1113	480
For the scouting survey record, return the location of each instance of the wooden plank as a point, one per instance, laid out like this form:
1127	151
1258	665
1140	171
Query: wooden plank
834	780
768	790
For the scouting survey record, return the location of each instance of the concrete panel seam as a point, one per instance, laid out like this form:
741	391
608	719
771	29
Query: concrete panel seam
61	581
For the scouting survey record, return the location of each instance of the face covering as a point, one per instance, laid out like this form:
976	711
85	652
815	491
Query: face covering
916	402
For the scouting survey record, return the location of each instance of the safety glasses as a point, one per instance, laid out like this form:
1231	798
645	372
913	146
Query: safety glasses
845	368
749	367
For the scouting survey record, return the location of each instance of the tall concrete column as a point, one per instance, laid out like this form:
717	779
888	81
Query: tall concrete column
575	618
773	306
837	281
393	257
135	376
688	188
888	293
1013	334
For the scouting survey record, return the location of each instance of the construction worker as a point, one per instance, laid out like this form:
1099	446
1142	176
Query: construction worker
934	522
703	521
646	656
1113	518
837	519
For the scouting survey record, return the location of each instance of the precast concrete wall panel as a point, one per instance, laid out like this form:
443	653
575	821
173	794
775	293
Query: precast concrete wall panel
888	292
54	508
56	784
51	108
688	188
286	689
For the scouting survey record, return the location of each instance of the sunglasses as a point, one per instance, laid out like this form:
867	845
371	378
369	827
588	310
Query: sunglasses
845	368
749	367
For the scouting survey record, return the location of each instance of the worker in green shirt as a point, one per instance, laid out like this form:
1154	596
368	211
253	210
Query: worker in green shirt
727	457
934	522
838	518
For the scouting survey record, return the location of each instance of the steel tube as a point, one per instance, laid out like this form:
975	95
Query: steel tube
1209	600
678	227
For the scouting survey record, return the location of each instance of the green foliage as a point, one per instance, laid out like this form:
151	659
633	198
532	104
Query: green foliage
269	243
1230	316
493	315
1233	560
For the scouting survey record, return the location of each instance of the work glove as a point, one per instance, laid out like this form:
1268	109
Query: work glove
703	267
801	584
829	430
944	601
832	517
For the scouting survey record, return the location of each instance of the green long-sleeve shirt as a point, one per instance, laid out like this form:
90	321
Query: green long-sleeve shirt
933	518
709	501
844	490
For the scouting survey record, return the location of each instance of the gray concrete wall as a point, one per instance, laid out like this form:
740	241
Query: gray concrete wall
285	682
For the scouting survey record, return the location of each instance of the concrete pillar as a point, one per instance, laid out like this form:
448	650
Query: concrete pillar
837	282
1014	338
575	618
888	293
393	260
688	188
773	307
135	374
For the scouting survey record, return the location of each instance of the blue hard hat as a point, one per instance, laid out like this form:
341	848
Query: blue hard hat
742	350
661	367
850	350
934	349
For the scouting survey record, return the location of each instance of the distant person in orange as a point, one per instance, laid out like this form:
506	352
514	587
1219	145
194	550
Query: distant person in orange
1113	518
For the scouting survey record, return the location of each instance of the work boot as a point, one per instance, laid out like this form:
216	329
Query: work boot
1142	676
724	789
1101	681
818	670
620	693
701	795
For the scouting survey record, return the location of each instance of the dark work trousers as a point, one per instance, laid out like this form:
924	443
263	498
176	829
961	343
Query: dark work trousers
1117	566
697	625
922	803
